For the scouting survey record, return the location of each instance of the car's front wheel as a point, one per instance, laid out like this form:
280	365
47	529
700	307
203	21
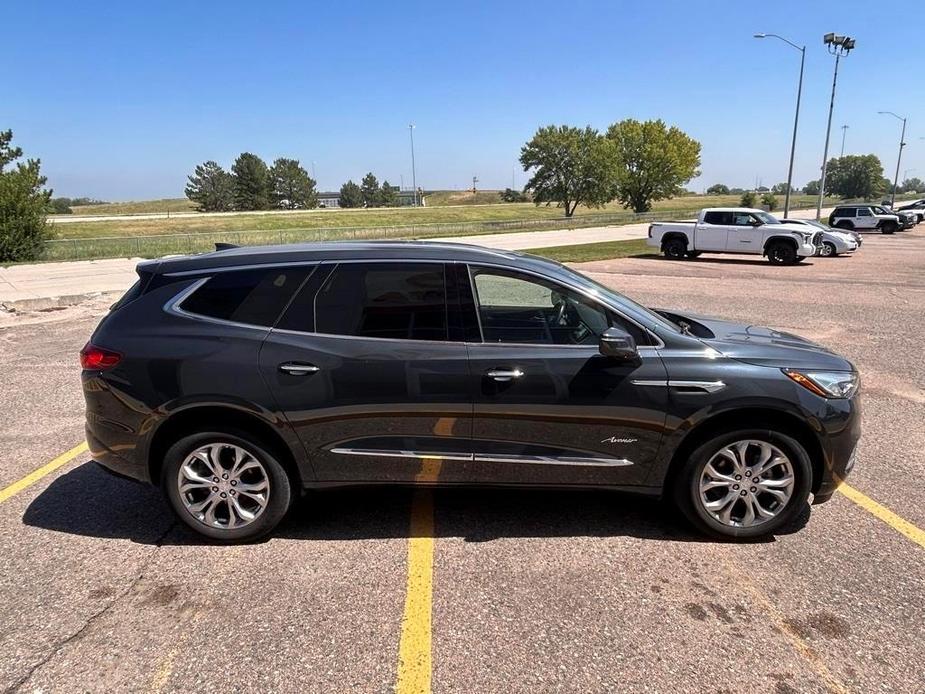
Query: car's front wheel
828	250
782	253
744	484
226	486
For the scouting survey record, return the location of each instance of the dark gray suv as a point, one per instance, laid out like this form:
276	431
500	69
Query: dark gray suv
235	380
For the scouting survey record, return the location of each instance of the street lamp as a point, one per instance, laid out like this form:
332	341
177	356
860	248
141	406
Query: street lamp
902	144
796	118
837	46
414	180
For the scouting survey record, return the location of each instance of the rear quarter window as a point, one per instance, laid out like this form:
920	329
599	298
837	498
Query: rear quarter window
254	297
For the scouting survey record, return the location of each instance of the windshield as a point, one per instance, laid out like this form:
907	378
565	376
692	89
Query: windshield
614	297
766	218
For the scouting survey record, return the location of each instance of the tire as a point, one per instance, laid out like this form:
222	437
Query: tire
888	228
674	249
692	502
276	495
693	254
781	253
828	250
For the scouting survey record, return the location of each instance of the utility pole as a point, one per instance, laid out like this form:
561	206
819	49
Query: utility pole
837	46
899	158
844	128
796	117
474	181
414	179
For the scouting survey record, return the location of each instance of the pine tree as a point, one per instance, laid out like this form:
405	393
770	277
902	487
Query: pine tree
23	205
388	195
370	188
251	183
351	195
211	187
291	185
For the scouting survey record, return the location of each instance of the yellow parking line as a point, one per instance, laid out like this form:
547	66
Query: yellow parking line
36	475
900	525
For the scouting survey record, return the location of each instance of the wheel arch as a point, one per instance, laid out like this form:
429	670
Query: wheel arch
746	418
190	420
675	236
777	239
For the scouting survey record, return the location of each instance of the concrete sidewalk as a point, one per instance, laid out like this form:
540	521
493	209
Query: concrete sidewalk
43	285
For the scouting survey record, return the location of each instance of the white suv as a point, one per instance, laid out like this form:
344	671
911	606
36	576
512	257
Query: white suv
863	217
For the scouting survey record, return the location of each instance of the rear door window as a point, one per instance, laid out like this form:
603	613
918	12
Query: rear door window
715	217
404	301
254	297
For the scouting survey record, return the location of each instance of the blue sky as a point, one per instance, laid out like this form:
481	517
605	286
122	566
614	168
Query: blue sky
121	100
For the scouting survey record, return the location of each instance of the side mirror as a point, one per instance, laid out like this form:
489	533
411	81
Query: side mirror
618	344
756	223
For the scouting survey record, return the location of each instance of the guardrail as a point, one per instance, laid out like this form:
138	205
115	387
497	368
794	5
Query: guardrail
169	244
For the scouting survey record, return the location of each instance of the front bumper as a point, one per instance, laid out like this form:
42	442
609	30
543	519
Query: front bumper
841	431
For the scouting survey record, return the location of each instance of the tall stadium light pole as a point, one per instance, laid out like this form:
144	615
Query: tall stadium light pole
796	118
414	180
837	46
844	129
902	143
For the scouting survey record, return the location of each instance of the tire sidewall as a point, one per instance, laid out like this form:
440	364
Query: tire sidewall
687	492
280	497
675	249
789	251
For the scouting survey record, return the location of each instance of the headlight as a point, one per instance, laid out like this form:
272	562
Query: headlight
826	384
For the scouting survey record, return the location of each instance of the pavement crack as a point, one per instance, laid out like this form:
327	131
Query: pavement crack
61	644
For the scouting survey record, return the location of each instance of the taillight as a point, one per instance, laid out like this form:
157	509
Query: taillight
96	358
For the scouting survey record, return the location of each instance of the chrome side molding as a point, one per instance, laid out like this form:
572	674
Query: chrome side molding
685	386
471	457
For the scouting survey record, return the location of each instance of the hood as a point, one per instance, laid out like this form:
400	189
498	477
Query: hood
754	344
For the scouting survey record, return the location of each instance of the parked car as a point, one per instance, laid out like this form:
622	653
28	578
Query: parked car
916	207
237	379
864	217
907	219
834	242
735	230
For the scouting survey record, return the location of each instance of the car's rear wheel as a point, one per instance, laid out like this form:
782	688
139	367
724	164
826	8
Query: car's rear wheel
226	486
782	253
828	250
888	228
674	249
744	484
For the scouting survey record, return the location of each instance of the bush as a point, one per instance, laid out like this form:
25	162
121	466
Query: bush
23	206
718	189
749	199
511	195
769	200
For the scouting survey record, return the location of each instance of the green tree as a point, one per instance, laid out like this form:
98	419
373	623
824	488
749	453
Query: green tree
718	189
749	199
511	195
654	161
912	185
211	187
779	189
370	189
770	201
291	185
23	205
811	188
571	167
855	176
251	182
388	195
351	195
60	206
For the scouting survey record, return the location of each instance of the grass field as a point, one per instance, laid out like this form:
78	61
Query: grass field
587	252
370	218
141	207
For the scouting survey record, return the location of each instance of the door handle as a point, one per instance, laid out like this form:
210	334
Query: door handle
504	375
296	369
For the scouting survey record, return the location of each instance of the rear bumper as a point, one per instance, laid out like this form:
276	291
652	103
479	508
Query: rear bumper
115	462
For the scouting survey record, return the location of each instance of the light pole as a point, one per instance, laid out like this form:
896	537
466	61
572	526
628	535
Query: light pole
837	46
899	158
796	117
414	180
844	128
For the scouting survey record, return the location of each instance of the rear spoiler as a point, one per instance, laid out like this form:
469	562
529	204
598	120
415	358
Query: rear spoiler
221	246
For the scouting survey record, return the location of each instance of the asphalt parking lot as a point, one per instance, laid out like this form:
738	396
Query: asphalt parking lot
475	590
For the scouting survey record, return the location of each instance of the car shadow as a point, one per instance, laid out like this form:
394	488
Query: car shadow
752	260
88	501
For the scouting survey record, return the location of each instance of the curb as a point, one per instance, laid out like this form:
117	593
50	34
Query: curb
49	303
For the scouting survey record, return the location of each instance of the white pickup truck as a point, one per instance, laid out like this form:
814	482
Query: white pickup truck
735	230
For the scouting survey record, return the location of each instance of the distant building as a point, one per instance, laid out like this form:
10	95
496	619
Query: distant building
404	198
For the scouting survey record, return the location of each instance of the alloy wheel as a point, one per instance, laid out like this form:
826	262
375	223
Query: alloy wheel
223	486
746	483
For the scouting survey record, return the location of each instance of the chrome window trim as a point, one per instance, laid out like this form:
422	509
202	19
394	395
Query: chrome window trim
487	458
594	299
